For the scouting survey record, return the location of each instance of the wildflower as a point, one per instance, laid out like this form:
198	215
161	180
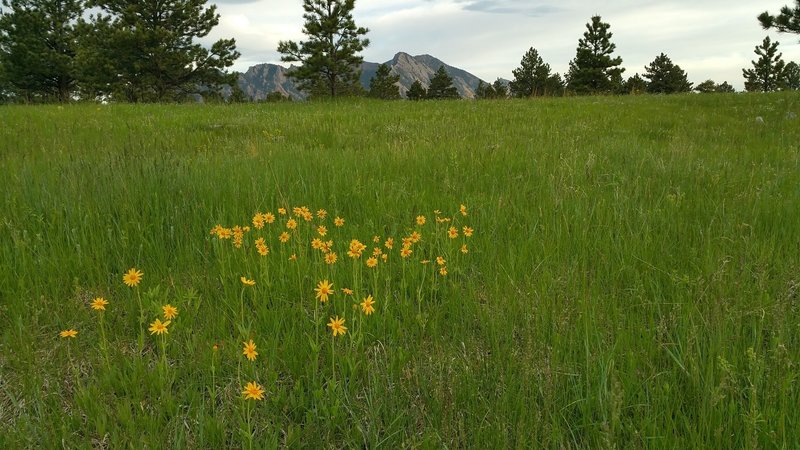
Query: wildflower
322	213
263	250
372	262
464	249
463	210
170	312
322	230
215	347
443	271
293	257
442	219
307	216
366	305
376	239
377	251
260	241
420	220
347	291
468	231
291	224
440	261
406	252
132	278
215	231
158	328
452	232
284	237
99	304
425	261
268	217
338	221
407	242
356	248
258	221
247	282
385	257
415	237
337	326
330	258
316	243
249	350
68	333
323	290
389	243
437	212
225	233
282	211
252	391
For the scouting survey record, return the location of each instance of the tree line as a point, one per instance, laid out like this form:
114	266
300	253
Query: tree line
146	51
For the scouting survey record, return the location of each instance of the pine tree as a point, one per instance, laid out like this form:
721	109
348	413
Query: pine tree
666	77
329	57
484	91
724	87
38	46
500	89
441	86
706	87
145	51
384	85
416	91
635	85
767	72
791	77
788	21
531	77
594	71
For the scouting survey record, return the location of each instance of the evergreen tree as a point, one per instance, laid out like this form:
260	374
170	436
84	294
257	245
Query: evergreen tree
554	86
500	89
484	91
384	85
441	86
416	91
724	87
635	85
145	50
38	46
594	70
666	77
791	77
329	57
767	72
531	77
788	21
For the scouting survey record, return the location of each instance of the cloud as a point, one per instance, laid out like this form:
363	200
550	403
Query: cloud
518	7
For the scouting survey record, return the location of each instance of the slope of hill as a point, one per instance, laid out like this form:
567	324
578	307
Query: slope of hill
261	79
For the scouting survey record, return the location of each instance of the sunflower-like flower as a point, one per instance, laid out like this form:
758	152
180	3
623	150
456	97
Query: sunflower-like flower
338	222
132	277
464	249
322	230
268	217
99	304
367	305
452	232
322	213
291	224
468	231
170	312
158	327
372	262
421	220
252	391
247	282
249	350
440	261
323	290
463	210
284	237
337	326
389	243
68	333
330	258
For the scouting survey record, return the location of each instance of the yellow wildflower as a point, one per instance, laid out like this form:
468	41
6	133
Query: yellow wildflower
99	304
367	305
420	220
372	262
158	328
68	333
452	232
252	391
323	290
133	277
249	350
322	230
338	221
284	237
247	282
337	326
170	312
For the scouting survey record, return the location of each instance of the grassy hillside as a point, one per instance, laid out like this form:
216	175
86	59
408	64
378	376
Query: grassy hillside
633	278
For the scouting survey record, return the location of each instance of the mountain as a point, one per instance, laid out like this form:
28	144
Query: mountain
262	79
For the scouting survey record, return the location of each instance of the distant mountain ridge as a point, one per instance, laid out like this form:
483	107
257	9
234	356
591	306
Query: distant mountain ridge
262	79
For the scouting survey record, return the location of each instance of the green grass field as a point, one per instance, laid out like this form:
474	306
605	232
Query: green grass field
633	280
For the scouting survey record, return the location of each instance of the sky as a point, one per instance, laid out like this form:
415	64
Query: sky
708	38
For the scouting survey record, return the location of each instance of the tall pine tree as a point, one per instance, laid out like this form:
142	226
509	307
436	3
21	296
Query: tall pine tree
145	50
441	86
594	70
416	91
330	57
791	77
384	85
38	47
666	77
767	72
531	77
787	21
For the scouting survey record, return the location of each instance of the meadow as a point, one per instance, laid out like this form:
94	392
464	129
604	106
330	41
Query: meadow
632	278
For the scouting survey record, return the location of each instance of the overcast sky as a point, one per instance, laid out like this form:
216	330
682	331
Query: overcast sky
707	38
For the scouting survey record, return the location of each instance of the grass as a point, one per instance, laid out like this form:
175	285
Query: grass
633	280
